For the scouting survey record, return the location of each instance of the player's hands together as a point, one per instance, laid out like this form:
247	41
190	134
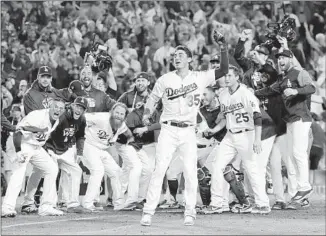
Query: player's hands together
208	133
290	92
140	131
21	157
257	147
146	121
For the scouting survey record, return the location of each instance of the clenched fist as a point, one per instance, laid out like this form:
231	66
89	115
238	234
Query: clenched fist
218	37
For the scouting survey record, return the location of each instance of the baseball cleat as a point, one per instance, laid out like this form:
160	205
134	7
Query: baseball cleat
261	209
129	207
94	209
170	205
300	195
241	208
212	210
140	205
50	211
110	203
146	219
305	203
77	209
29	209
225	208
189	221
279	205
62	206
5	213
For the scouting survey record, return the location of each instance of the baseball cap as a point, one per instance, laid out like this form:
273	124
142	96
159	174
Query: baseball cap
284	52
77	88
45	70
185	49
262	49
142	75
81	101
215	58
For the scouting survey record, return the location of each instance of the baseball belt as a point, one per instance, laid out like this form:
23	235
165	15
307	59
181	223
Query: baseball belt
177	124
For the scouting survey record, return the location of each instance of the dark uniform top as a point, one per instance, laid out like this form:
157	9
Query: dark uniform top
210	116
98	101
134	120
37	98
296	107
131	98
68	132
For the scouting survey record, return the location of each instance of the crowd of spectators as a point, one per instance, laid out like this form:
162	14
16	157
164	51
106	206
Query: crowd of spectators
141	36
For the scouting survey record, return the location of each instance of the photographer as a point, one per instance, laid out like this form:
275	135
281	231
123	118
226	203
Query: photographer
257	61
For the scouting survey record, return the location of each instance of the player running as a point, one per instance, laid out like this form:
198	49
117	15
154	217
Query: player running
181	92
33	131
240	110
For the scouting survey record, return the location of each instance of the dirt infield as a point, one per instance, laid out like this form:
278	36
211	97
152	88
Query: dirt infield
309	221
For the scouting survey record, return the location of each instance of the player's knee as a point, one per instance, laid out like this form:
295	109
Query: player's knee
229	174
51	170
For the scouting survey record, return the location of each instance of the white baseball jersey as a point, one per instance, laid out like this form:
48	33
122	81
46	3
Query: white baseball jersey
181	97
98	130
238	108
40	119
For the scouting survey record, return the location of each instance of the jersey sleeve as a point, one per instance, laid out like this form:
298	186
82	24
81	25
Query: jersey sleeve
31	120
159	88
252	102
208	77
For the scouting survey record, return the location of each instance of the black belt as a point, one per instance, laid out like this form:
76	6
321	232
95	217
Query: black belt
176	124
241	131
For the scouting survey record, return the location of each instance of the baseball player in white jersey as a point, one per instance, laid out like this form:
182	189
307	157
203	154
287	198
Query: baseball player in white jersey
181	92
101	131
240	111
33	131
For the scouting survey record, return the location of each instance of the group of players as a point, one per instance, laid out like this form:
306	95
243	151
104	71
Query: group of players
186	124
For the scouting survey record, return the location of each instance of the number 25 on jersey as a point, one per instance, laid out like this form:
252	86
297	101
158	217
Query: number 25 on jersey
193	99
241	117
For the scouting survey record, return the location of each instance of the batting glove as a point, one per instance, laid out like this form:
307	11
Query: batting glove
218	37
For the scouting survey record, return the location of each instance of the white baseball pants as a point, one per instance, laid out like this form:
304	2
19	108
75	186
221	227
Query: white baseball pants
69	180
279	152
44	166
137	169
99	162
172	138
262	161
297	136
231	145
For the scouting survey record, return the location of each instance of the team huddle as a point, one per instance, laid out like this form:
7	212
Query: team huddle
221	130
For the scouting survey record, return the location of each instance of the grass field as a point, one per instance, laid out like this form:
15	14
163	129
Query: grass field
309	221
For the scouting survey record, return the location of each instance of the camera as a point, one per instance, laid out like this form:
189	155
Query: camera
98	58
284	29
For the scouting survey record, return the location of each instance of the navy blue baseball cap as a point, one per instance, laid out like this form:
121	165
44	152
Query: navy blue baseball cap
285	53
82	102
77	87
45	70
142	75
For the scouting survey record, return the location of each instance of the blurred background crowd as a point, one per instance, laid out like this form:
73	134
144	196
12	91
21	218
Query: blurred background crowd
141	36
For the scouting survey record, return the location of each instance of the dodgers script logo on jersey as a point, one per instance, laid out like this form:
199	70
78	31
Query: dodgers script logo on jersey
103	135
183	91
231	108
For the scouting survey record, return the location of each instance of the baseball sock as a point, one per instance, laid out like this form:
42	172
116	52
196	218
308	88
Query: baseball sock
173	187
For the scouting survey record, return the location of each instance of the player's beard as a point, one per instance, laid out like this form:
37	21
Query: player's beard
115	123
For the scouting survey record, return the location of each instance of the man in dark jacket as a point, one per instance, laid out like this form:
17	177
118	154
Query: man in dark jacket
132	97
295	86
